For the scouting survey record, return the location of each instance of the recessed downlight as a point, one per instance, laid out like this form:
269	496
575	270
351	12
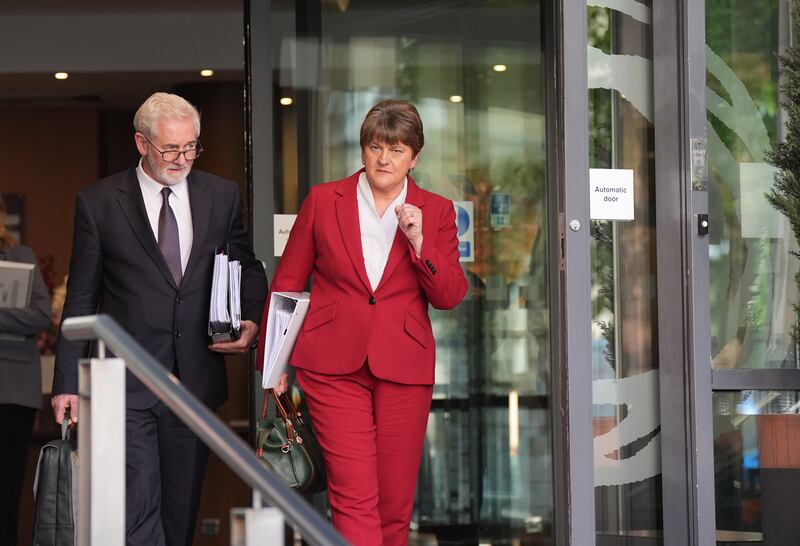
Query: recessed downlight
456	98
206	72
286	101
61	75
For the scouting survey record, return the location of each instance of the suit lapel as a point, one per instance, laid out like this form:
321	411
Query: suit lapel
399	249
200	203
349	226
132	204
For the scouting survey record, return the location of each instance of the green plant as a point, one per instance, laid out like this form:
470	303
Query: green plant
785	157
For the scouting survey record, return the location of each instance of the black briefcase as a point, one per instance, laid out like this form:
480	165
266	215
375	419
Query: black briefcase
55	489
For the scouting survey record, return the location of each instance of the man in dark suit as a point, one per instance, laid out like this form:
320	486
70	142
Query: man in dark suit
143	252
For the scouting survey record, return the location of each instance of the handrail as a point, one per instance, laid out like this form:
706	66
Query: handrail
203	422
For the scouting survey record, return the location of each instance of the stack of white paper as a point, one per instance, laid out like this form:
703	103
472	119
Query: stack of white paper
276	333
287	310
225	311
235	300
16	282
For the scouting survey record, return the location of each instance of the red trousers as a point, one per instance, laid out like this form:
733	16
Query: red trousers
371	432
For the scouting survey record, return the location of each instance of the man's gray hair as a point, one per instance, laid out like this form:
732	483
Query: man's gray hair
160	106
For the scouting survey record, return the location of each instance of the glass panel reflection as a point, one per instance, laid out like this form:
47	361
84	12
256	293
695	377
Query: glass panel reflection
486	474
751	281
627	440
757	466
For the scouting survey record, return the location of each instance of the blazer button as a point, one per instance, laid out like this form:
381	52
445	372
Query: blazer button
177	333
372	301
178	300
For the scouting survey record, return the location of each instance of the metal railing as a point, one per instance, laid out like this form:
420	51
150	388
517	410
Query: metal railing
102	385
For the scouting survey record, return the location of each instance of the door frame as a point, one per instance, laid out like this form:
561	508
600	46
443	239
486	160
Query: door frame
568	138
687	453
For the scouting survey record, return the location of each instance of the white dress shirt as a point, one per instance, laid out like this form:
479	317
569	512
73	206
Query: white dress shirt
377	233
178	200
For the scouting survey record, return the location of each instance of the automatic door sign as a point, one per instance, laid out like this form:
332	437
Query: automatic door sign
500	210
466	230
611	194
282	225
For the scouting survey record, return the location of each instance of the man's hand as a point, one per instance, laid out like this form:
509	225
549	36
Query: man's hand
61	402
247	333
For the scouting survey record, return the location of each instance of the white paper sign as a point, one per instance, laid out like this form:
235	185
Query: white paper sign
611	194
281	226
465	222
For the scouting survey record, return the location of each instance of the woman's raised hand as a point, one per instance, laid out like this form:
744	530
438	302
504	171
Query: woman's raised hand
409	218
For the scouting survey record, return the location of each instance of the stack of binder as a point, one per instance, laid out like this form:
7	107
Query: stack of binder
225	310
16	283
285	316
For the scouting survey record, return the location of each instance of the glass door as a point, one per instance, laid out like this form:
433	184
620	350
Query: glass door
624	327
554	373
752	254
636	196
477	72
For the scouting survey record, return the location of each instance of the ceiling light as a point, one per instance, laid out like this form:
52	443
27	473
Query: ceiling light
500	68
206	72
456	98
286	101
61	75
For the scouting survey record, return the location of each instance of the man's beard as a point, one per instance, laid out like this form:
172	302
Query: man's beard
165	175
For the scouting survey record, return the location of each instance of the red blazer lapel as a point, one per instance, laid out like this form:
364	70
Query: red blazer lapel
400	249
349	226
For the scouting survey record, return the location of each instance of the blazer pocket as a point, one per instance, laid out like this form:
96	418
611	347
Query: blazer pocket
319	317
416	330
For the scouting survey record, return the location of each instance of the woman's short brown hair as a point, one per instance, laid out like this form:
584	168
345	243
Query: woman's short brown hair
393	121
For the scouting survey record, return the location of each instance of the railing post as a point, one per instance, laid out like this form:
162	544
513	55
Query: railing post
102	469
84	453
102	462
252	526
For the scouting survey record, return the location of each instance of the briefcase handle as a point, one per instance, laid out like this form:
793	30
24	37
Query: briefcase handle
66	432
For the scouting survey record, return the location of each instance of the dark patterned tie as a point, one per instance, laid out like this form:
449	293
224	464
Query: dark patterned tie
168	240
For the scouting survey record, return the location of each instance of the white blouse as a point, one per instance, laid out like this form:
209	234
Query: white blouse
377	233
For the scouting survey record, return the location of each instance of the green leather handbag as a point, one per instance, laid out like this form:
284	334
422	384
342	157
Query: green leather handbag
287	445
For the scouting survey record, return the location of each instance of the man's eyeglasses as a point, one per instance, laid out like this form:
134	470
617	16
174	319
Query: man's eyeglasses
172	155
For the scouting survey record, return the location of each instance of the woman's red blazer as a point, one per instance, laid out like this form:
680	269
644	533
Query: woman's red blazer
347	322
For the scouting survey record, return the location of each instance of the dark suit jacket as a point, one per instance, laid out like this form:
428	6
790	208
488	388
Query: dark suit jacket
118	269
348	322
20	367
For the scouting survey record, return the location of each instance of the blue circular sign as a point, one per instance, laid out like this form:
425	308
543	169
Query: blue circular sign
462	220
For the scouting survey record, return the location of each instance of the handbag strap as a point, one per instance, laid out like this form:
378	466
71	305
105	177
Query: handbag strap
288	407
285	408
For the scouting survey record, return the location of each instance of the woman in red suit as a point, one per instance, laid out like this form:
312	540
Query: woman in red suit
380	249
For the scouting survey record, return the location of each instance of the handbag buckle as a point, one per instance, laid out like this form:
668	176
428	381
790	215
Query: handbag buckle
286	448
